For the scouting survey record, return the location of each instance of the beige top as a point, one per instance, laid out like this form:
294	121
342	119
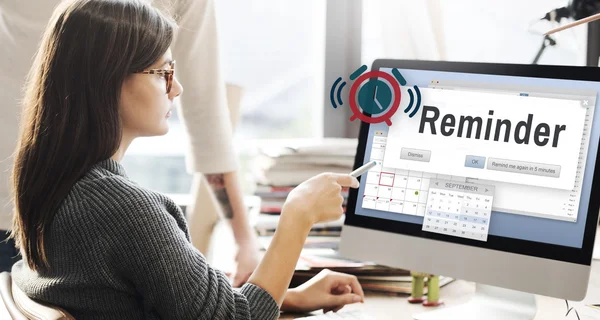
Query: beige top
203	106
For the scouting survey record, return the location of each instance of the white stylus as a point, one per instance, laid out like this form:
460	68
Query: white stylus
364	168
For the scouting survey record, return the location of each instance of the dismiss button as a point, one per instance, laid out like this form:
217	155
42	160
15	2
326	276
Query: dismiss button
415	154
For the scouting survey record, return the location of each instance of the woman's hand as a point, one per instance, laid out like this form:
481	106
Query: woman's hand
318	199
327	290
246	260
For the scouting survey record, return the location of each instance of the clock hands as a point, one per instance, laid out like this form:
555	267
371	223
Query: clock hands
377	101
378	104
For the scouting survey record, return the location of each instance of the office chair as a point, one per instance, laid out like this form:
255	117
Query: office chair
17	305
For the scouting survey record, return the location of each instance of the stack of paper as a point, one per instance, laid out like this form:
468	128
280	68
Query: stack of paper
266	224
279	168
290	164
321	253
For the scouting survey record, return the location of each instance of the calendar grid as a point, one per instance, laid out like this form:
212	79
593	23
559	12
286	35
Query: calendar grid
459	209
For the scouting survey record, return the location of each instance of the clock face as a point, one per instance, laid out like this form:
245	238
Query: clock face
375	96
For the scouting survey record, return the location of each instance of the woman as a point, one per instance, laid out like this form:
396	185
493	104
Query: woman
97	244
210	155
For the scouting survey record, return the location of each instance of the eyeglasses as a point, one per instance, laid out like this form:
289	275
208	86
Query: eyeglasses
167	73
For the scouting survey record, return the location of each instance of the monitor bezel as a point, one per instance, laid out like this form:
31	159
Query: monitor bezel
531	248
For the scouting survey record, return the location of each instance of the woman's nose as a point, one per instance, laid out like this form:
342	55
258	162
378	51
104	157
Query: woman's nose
176	89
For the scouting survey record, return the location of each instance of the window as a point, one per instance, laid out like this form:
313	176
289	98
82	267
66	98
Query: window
158	163
507	31
275	51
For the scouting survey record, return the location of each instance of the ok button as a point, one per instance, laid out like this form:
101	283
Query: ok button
475	162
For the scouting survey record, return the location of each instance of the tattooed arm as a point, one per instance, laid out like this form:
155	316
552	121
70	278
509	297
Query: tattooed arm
217	182
228	192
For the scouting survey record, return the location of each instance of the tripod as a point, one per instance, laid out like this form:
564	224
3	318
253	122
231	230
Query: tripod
548	41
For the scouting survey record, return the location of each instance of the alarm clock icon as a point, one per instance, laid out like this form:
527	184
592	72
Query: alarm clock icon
378	94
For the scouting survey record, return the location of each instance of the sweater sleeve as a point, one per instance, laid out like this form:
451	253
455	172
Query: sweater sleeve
203	106
151	250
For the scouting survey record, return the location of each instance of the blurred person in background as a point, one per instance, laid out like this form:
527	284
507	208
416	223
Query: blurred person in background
203	110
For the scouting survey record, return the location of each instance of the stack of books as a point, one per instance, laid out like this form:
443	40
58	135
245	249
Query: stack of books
373	278
321	253
279	169
266	224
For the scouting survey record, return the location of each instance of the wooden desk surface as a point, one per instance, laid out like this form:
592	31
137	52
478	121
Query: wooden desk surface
457	292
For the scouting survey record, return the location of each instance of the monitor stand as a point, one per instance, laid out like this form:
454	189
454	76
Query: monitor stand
490	303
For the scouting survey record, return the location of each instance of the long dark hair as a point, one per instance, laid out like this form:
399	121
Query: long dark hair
70	117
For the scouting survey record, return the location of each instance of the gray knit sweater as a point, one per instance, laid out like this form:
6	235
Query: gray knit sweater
119	251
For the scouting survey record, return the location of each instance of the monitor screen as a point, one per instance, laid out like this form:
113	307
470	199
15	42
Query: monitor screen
490	160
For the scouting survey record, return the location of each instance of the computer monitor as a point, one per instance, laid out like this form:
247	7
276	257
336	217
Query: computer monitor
491	180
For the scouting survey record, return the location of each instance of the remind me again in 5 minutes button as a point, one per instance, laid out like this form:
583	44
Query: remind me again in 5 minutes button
536	169
415	154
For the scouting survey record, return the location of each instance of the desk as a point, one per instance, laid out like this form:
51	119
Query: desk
457	292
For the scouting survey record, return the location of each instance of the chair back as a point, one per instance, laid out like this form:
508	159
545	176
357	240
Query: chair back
20	307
